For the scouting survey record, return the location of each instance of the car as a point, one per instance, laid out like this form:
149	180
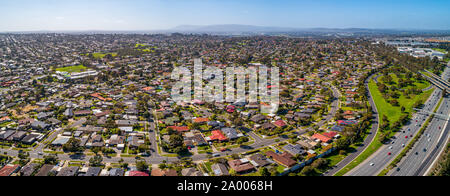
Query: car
417	153
390	153
372	164
429	140
424	149
391	147
216	155
398	169
406	137
411	136
403	145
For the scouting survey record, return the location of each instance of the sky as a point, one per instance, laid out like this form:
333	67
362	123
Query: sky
126	15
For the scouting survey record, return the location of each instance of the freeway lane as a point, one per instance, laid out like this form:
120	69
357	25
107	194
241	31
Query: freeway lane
380	160
412	165
367	141
426	150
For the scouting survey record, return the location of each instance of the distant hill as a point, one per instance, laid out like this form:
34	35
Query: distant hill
235	28
229	28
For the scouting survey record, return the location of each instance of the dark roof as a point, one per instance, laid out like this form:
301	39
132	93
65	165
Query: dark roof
260	160
116	172
220	169
93	171
230	133
45	170
295	150
28	170
68	171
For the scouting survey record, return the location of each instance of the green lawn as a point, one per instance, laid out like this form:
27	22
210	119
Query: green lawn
393	114
140	45
440	50
72	69
102	55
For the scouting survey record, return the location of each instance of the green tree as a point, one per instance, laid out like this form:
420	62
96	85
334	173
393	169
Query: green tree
96	161
142	166
264	172
73	145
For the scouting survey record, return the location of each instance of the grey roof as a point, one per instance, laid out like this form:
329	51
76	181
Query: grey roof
28	170
220	169
44	115
61	141
116	172
68	171
294	150
93	171
68	112
30	138
258	118
230	133
6	134
259	160
40	125
45	170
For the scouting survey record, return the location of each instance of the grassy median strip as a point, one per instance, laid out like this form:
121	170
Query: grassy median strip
393	114
411	144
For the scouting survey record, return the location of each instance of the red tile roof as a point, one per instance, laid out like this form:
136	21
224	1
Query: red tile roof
98	96
280	123
217	135
330	134
321	137
8	170
179	129
138	173
201	120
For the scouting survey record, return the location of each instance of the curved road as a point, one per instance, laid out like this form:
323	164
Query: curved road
387	153
366	142
428	147
155	158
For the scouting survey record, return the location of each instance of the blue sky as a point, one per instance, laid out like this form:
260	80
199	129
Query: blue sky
23	15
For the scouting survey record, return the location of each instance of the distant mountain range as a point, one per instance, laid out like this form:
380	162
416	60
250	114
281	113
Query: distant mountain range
251	29
229	28
233	28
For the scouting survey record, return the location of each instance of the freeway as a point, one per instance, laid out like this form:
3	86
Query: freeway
426	150
386	154
415	163
366	142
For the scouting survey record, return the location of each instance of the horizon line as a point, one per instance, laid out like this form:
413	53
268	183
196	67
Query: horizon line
173	29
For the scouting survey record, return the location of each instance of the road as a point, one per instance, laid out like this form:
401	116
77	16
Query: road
416	164
366	142
381	159
427	149
156	158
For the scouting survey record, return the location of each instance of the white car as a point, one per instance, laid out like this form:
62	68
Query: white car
391	147
372	164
